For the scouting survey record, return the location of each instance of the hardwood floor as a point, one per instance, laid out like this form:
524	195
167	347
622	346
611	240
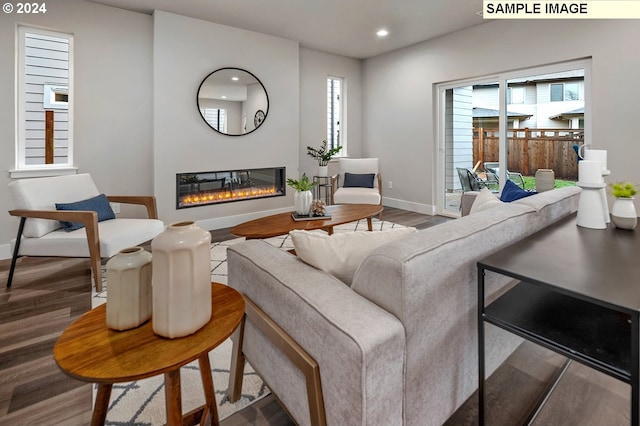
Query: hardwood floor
46	296
48	293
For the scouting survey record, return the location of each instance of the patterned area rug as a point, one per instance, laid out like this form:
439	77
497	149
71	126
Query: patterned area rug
142	403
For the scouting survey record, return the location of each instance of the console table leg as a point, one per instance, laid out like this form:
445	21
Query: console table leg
173	398
481	371
635	369
102	405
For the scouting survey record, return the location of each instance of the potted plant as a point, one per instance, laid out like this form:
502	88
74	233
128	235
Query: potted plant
323	156
303	197
623	211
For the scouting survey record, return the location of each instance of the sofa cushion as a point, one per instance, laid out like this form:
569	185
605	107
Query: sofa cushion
356	196
484	201
99	204
114	235
341	254
358	180
512	192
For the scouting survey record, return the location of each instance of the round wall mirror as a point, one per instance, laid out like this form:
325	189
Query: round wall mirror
232	101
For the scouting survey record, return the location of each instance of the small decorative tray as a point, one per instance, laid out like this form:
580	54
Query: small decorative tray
298	217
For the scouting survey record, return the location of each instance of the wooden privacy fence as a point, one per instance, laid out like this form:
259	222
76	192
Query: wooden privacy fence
532	149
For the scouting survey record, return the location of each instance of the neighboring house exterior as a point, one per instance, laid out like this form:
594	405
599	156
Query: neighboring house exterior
552	101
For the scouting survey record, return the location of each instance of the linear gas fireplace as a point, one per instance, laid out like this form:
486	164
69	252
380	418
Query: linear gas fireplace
206	188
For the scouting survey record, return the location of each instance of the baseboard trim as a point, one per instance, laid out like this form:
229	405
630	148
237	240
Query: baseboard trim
5	251
409	205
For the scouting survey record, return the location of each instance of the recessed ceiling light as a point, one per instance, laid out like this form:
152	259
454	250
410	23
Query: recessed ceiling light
234	78
382	33
223	97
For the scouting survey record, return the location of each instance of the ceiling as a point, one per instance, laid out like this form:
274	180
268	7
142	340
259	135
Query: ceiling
342	27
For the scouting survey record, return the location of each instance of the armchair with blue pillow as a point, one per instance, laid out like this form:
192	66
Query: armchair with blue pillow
357	182
66	216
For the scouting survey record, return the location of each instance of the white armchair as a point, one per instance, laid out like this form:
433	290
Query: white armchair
41	233
357	182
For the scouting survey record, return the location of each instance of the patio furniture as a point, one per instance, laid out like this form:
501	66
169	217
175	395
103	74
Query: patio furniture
494	167
469	180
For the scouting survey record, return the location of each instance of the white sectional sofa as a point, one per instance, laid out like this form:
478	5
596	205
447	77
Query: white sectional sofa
399	346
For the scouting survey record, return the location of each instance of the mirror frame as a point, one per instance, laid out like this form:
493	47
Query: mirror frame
265	112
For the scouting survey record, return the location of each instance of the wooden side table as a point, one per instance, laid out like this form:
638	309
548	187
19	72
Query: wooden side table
88	350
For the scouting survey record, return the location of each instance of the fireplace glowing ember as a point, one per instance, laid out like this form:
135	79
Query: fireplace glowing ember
224	186
228	195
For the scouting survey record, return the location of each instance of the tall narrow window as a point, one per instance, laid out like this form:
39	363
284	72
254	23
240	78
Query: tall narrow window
45	81
334	113
216	117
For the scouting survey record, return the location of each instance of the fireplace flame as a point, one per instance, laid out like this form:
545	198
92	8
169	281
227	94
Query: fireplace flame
227	195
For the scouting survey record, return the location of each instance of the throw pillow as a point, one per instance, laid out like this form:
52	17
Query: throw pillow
485	200
341	254
358	180
512	192
99	204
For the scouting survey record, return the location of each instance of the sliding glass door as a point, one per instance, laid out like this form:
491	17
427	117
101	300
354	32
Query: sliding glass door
505	127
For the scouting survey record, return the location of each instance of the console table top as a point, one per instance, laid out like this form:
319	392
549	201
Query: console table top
593	264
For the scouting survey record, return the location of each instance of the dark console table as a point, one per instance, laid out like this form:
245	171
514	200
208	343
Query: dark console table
578	294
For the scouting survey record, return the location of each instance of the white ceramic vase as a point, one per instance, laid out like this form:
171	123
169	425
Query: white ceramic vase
323	171
181	279
128	288
302	202
545	180
623	213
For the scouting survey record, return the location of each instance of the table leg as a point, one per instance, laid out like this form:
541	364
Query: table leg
369	224
635	369
173	398
102	405
237	363
211	413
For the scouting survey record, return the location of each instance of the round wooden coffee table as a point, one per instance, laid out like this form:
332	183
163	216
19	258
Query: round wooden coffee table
89	351
282	223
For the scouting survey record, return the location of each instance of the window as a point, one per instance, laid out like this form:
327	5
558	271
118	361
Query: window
334	113
216	117
44	137
478	123
565	92
515	95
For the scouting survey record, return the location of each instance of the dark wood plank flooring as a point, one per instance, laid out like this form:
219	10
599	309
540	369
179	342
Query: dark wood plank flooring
48	293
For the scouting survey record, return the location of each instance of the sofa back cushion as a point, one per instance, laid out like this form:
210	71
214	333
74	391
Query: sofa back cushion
44	193
360	166
341	254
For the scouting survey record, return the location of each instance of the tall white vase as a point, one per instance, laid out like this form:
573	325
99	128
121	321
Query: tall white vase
128	288
623	213
181	279
302	202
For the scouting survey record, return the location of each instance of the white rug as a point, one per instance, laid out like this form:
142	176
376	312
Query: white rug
142	403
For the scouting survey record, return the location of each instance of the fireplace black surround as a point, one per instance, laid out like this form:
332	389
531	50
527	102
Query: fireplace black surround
206	188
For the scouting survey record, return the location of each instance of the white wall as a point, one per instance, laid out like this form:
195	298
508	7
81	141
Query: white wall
315	67
399	89
185	51
113	97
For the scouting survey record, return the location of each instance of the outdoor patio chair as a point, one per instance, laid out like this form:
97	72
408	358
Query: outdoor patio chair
469	180
494	168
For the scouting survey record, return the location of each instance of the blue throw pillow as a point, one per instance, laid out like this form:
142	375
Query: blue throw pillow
512	192
355	180
99	204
